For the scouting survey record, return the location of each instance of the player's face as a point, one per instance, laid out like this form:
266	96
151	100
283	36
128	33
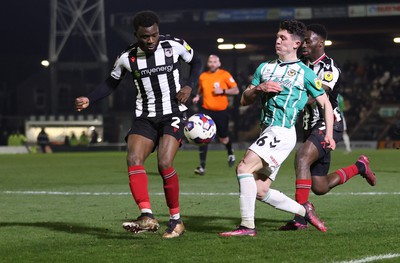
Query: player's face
285	44
213	63
148	38
312	46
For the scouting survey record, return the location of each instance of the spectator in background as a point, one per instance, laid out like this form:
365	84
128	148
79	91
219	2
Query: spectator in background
83	139
346	138
94	137
43	141
73	141
16	139
66	141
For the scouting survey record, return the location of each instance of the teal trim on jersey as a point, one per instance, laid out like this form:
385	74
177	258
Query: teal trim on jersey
243	176
297	80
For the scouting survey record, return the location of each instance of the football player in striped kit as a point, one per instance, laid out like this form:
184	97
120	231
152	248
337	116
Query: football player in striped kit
159	114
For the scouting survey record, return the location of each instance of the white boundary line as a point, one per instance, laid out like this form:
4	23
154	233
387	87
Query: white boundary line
182	193
372	258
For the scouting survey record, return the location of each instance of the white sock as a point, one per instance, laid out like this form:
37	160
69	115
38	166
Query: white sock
346	140
175	216
282	202
146	210
248	194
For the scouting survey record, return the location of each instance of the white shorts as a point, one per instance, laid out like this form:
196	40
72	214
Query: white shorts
273	146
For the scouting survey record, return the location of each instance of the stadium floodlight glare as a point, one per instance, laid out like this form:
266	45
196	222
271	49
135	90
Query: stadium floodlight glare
240	46
396	40
328	43
45	63
220	40
226	46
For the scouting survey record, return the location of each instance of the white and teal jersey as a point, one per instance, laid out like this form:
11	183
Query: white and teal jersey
297	80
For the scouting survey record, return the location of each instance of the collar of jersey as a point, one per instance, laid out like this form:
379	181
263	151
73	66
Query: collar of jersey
282	63
319	59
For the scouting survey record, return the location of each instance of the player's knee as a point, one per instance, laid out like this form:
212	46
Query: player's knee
224	140
320	190
261	193
133	159
302	161
241	168
164	164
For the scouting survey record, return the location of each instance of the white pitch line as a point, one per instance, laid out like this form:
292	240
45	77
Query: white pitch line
183	193
372	258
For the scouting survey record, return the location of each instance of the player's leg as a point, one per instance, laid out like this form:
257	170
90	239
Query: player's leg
201	170
343	175
139	148
306	156
168	146
282	202
221	118
346	138
247	194
203	150
274	197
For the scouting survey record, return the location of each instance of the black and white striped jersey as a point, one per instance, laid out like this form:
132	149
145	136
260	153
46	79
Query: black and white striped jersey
155	75
329	73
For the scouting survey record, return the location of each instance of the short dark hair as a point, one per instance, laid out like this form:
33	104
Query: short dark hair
318	29
145	19
294	27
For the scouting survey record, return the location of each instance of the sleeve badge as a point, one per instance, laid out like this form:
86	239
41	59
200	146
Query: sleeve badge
328	76
318	83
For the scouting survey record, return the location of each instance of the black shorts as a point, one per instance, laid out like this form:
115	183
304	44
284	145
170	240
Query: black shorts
321	166
154	128
221	119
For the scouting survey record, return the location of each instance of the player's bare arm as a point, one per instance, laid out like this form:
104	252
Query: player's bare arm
198	95
269	86
81	103
323	101
184	94
311	100
249	95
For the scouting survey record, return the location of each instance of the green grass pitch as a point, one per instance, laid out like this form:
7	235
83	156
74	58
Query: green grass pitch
68	207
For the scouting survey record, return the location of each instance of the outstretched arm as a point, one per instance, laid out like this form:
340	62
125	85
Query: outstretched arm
251	93
103	90
323	101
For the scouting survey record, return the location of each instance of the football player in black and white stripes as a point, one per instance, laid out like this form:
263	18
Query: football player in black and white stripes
159	112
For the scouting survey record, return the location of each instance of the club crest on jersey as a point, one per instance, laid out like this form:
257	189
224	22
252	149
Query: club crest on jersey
328	76
318	83
291	72
168	52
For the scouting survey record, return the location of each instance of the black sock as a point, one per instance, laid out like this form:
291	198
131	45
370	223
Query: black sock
360	167
300	219
203	155
147	214
229	147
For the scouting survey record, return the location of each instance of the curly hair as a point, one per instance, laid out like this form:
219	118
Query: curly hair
294	27
145	19
318	29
